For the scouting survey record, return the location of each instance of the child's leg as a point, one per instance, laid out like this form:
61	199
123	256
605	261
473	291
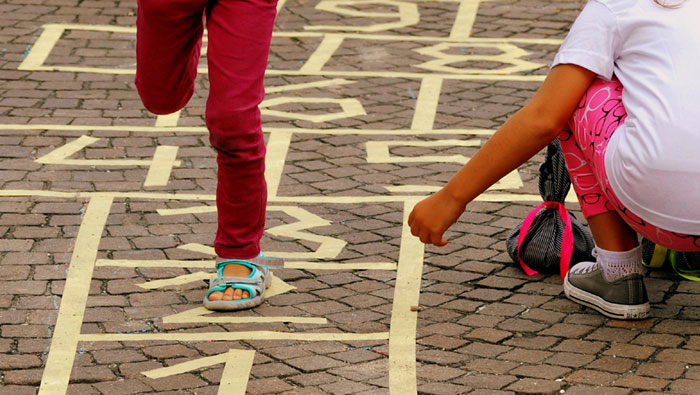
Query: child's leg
168	42
239	40
614	227
613	284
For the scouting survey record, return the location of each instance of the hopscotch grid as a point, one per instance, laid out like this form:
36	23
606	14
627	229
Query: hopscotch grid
401	336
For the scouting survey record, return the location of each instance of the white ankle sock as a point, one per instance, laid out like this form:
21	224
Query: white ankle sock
618	264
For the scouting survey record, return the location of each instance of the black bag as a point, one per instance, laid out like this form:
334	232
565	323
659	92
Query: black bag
684	263
553	239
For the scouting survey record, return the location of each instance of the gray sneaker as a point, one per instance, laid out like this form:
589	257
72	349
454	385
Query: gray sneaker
625	298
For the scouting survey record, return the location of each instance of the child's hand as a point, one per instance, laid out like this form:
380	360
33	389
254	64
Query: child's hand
432	216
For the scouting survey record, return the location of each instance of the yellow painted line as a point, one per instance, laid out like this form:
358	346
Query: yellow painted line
277	147
350	107
203	130
487	197
155	263
41	49
60	154
116	195
378	151
232	336
234	380
362	36
125	128
509	54
169	120
186	210
401	37
330	247
323	53
278	287
407	15
186	366
464	20
199	314
427	103
308	85
453	74
179	280
198	247
211	263
402	332
70	315
162	165
280	5
340	266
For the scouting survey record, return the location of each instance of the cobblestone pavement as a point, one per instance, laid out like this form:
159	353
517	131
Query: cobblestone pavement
106	217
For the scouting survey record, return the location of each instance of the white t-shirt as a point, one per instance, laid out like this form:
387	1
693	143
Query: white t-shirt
653	159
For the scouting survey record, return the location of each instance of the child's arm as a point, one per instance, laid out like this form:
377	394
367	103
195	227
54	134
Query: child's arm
522	136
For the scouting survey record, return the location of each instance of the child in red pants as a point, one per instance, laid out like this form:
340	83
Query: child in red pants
169	40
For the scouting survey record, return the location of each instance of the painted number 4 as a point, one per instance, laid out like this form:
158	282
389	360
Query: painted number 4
159	167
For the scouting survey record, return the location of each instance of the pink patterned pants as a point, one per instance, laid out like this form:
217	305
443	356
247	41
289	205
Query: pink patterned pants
599	113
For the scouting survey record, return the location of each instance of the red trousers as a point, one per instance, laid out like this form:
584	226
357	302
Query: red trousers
168	43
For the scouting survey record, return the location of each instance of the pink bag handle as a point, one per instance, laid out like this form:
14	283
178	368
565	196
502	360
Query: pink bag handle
567	243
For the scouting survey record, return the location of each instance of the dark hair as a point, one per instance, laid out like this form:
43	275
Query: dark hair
665	4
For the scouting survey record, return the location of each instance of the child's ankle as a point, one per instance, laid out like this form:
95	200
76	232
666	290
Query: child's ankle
618	264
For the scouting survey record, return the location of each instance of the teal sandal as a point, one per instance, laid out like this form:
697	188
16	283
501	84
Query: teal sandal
255	284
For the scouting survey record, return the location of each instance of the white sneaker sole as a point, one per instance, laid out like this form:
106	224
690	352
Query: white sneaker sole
612	310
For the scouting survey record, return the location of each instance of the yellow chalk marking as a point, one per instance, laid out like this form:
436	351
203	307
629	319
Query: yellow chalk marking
277	148
232	336
170	120
70	315
378	151
184	367
349	108
340	266
159	170
278	287
179	280
464	20
203	130
210	264
402	332
280	5
162	165
236	369
329	247
323	53
234	380
198	247
427	103
160	263
308	85
510	54
42	47
186	210
199	315
407	14
486	197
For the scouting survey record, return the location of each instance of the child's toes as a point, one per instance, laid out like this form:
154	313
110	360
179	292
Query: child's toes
229	294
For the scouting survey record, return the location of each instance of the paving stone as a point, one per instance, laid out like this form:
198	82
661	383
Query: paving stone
484	327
